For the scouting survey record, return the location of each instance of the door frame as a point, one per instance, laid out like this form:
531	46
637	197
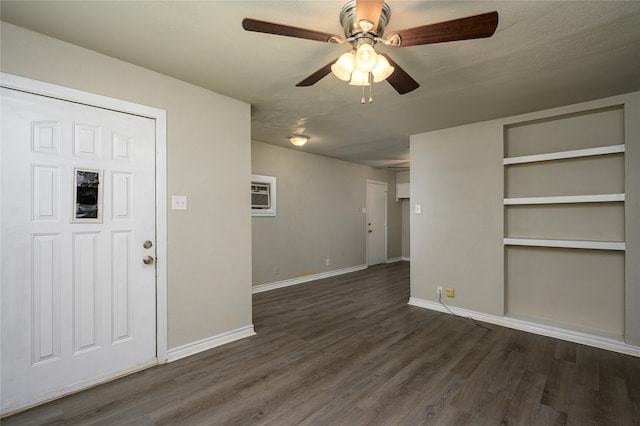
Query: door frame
366	228
36	87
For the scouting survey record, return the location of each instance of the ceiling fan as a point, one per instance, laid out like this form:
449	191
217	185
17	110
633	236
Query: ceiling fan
364	23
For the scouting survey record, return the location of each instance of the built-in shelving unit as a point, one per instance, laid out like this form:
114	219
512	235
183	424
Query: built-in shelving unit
564	233
565	199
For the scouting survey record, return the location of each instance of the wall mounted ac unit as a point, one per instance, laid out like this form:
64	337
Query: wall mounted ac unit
263	195
260	196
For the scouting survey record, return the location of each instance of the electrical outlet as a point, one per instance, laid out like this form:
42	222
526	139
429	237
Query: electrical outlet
451	292
439	290
327	261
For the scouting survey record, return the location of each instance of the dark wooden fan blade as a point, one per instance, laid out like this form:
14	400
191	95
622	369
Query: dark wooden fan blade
369	10
399	79
286	30
477	26
317	76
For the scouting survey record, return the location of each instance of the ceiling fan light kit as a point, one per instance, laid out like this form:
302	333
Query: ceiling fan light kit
359	78
355	66
382	70
344	66
366	58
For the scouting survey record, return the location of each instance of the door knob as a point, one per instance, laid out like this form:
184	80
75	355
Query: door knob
147	244
148	260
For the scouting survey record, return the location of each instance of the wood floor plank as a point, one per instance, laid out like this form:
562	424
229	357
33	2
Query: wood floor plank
566	351
583	407
525	400
614	400
587	372
489	410
540	357
557	390
350	350
431	401
506	382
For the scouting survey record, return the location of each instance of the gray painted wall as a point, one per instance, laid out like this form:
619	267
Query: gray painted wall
319	214
208	156
404	177
406	228
458	178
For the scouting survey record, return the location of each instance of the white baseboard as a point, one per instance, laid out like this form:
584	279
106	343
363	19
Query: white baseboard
406	258
209	343
299	280
394	259
531	327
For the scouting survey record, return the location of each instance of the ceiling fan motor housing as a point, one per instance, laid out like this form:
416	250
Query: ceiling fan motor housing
352	28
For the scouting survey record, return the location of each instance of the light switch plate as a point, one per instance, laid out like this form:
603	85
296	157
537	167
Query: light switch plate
178	202
418	209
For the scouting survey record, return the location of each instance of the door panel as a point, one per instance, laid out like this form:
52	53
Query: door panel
78	304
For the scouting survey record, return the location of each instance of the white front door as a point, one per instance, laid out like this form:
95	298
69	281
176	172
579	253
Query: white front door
376	222
77	206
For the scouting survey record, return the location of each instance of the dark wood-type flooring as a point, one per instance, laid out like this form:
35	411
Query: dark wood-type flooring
349	350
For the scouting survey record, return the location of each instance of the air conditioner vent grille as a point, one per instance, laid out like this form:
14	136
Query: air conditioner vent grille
260	196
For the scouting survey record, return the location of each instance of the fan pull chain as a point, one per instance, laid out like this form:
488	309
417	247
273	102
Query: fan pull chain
370	81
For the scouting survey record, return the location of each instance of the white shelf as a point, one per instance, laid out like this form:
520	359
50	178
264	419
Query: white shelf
592	245
402	190
566	199
604	150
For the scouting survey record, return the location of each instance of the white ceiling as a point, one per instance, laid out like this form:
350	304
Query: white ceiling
543	54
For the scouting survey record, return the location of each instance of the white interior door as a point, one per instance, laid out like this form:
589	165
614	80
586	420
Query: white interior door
376	222
78	203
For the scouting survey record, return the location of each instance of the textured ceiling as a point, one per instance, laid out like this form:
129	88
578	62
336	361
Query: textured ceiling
543	54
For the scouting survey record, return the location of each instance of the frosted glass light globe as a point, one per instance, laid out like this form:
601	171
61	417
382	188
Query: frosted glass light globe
366	58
